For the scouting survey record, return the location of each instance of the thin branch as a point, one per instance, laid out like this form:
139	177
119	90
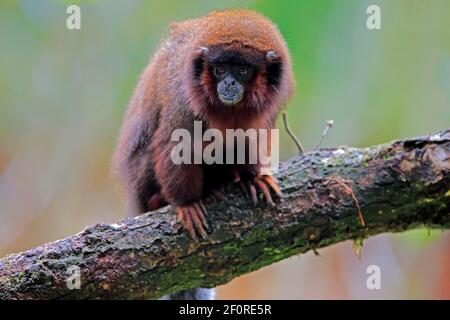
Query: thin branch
291	134
399	186
349	191
325	131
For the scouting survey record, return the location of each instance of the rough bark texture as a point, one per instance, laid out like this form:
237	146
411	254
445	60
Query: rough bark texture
399	186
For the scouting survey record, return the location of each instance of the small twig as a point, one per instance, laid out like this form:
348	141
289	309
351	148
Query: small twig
291	134
324	133
348	191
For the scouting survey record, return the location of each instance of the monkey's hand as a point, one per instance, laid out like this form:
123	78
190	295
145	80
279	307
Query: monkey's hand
264	183
193	219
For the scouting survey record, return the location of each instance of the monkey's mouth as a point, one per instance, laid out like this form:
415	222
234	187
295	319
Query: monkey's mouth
230	97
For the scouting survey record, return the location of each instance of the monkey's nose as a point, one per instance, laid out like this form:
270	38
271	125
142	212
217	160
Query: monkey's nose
229	81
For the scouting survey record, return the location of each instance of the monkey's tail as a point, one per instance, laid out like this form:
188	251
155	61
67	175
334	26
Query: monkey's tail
191	294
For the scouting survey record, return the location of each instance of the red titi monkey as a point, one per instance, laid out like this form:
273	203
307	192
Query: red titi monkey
230	69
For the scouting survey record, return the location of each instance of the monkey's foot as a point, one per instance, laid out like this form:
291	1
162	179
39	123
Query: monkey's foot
264	183
193	219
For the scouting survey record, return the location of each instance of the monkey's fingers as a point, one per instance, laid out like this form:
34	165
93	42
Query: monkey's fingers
265	191
252	191
181	217
185	219
201	211
244	189
273	183
197	221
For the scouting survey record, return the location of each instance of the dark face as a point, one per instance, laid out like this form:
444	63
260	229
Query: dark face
240	76
232	80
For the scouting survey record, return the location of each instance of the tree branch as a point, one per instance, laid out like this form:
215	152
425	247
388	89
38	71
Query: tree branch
398	186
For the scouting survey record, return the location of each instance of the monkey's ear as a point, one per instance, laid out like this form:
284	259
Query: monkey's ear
272	56
199	61
202	50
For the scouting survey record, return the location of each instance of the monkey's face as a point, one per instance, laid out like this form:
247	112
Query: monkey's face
231	81
236	78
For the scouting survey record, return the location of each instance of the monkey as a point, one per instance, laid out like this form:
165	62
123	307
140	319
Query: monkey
230	69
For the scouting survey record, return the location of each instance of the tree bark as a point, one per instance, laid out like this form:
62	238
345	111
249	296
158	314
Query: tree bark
397	186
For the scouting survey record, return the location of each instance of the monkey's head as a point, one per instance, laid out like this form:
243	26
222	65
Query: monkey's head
240	61
231	80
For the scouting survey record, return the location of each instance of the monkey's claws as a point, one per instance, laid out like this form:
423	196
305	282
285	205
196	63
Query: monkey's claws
264	183
193	219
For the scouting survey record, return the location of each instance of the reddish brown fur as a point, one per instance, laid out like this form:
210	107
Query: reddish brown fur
168	97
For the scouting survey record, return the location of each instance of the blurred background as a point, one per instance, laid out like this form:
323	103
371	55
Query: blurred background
63	94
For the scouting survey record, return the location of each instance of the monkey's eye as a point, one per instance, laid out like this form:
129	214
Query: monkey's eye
219	71
243	71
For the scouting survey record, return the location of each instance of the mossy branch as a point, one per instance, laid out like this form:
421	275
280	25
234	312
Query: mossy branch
397	186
